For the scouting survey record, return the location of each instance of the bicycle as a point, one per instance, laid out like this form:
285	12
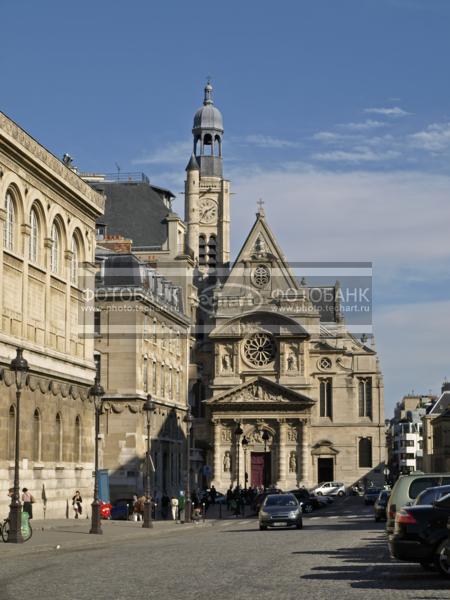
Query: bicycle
26	528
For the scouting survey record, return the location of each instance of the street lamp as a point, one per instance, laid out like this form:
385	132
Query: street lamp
148	408
188	419
96	393
265	437
238	432
19	366
244	446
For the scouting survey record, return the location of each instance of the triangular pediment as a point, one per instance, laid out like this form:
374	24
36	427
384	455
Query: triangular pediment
261	250
260	391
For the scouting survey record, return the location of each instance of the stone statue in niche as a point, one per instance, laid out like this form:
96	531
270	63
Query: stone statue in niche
291	362
260	246
293	462
227	462
227	364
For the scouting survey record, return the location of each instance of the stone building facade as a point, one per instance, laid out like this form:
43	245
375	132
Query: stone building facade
47	245
142	337
306	393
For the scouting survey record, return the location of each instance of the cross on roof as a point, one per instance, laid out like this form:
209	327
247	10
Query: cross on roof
260	204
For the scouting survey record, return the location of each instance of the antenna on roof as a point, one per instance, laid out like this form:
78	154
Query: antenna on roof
118	171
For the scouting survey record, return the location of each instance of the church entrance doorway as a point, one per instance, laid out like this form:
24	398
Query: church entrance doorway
325	469
259	460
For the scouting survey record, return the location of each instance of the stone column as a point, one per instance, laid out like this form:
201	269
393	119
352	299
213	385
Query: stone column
305	474
2	224
217	457
282	454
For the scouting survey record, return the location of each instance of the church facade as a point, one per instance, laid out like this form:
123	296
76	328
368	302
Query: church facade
284	394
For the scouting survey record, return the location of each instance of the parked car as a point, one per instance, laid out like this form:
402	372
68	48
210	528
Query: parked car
379	508
330	488
122	509
307	501
323	501
280	510
431	495
371	494
421	534
407	488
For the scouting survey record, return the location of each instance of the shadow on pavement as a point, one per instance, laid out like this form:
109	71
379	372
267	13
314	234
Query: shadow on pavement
371	567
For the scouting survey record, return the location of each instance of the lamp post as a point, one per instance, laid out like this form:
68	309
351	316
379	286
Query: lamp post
238	432
244	446
96	393
148	408
265	437
188	419
386	472
19	366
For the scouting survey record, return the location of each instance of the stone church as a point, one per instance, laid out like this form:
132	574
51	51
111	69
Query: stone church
284	395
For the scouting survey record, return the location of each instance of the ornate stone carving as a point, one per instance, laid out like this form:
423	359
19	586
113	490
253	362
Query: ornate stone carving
226	360
225	435
292	435
259	350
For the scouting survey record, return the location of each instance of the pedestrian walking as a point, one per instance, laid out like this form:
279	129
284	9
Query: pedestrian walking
77	504
213	494
165	505
27	501
174	507
229	497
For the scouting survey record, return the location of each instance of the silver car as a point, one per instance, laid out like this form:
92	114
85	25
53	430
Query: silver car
280	510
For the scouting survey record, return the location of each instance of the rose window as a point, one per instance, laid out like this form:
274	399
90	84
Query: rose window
259	350
325	363
261	276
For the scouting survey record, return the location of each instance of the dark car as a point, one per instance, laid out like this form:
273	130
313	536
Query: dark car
379	508
432	494
259	498
420	535
280	510
371	495
122	509
308	501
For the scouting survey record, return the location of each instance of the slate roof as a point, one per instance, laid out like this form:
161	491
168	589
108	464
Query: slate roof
134	210
442	405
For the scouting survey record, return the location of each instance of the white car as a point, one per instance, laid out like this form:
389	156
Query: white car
331	488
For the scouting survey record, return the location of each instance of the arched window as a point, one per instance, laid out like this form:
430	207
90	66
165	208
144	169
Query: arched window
34	236
77	440
202	250
212	251
74	262
37	436
208	141
55	255
145	374
365	453
163	381
154	376
58	438
10	223
11	432
365	397
326	398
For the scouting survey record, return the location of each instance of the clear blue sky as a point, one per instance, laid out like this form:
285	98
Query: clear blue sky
337	113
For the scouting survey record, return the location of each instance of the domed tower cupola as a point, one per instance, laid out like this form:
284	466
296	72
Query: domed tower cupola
208	133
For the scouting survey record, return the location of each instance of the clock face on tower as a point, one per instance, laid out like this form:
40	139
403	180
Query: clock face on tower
208	211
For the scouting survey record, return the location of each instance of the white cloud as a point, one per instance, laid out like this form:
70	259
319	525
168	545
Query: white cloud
356	155
175	153
394	111
267	141
363	126
435	138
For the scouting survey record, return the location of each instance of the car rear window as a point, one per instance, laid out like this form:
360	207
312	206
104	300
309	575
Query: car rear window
421	484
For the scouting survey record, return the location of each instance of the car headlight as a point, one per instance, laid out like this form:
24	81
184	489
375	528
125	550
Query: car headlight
293	514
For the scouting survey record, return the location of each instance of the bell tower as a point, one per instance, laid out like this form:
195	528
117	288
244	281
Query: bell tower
207	193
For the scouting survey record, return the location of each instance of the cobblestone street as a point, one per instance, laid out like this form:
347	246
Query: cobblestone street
340	553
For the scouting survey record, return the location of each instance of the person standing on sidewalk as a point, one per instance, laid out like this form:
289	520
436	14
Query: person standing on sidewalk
27	501
76	503
174	507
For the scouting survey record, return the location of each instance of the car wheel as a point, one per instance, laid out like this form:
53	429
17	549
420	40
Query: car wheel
308	508
341	493
299	525
262	527
319	493
441	560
